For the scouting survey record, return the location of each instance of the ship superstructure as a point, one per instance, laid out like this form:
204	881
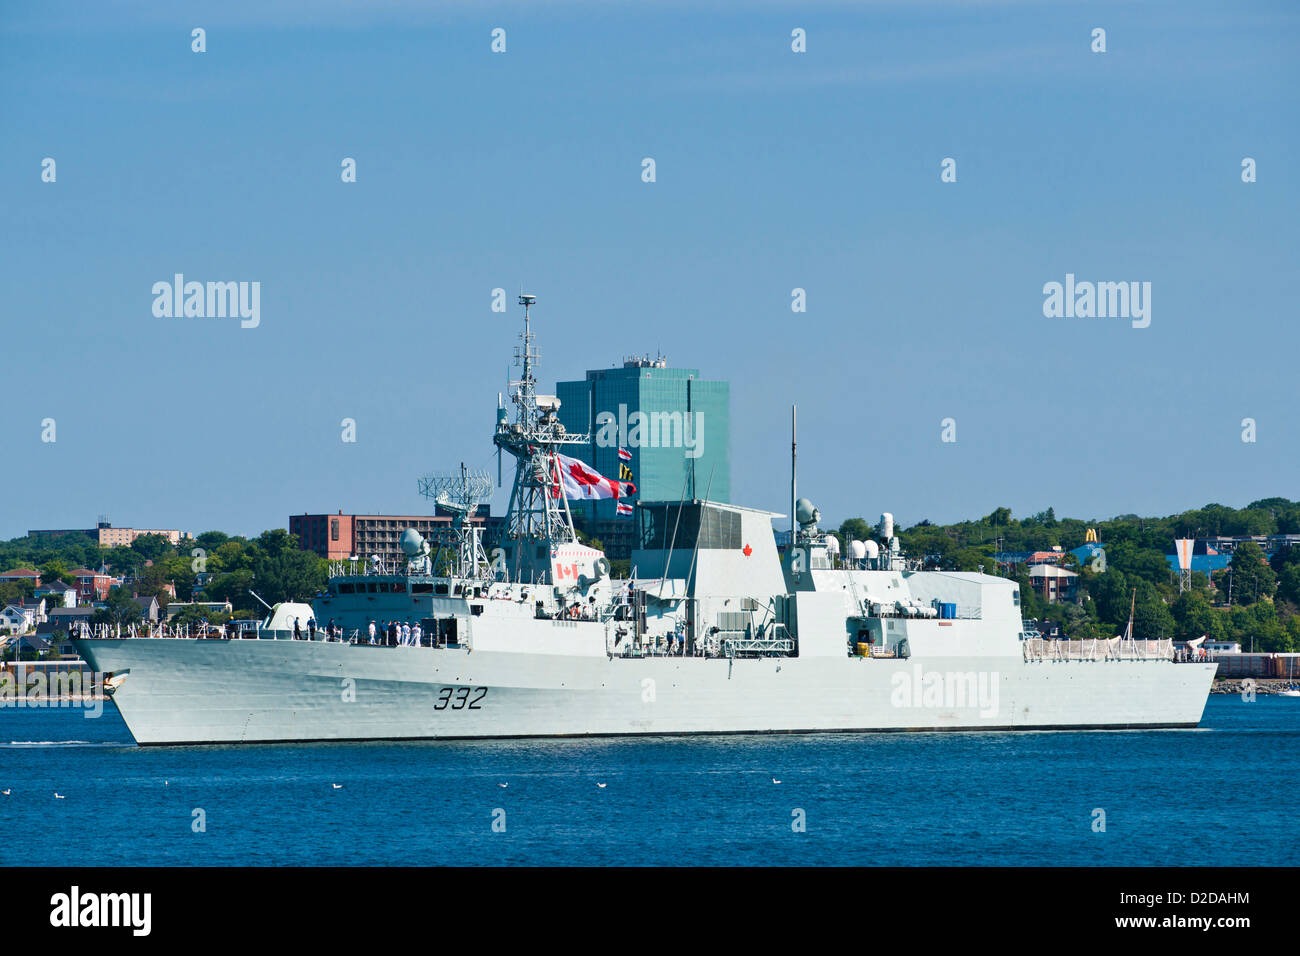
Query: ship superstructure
715	631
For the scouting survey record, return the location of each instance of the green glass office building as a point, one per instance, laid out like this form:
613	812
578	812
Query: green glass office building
675	427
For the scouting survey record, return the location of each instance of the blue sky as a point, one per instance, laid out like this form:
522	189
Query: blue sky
775	170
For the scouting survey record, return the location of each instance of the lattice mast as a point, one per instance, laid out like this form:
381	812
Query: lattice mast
538	509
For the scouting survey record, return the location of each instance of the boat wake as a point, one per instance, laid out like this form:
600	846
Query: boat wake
62	743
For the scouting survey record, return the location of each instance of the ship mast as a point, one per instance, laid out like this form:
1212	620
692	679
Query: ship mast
538	510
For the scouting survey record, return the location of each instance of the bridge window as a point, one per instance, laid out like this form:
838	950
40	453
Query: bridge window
674	527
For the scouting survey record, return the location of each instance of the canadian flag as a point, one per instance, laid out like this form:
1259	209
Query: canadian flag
578	481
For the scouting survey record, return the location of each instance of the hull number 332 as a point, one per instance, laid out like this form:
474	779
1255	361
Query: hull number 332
460	698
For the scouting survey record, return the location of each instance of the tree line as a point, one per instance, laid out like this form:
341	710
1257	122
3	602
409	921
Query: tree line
1252	600
212	566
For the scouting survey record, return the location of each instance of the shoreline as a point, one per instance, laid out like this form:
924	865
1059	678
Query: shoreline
1263	685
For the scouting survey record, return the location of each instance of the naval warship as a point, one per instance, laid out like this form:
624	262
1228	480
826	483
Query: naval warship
716	631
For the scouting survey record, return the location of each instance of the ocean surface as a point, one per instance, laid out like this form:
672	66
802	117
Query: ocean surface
1223	794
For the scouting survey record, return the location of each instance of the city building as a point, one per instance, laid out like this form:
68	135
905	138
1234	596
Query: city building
1054	583
1204	563
58	593
1221	544
93	586
106	536
664	429
18	575
337	537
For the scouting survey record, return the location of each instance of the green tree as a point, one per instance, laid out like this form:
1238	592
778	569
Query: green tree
276	542
1261	623
1111	592
1193	617
123	561
211	540
196	614
1151	618
56	569
1252	578
119	608
1000	518
290	575
151	546
1288	583
152	582
234	586
855	529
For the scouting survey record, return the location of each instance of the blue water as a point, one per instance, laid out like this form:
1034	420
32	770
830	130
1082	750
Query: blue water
1221	795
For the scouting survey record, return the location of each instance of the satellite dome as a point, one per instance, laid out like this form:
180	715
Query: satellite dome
872	549
412	542
857	550
832	544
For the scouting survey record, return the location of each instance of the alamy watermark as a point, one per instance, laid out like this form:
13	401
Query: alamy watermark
212	300
24	685
1102	300
945	689
651	430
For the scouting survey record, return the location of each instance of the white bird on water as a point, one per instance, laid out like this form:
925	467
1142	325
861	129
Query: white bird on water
602	785
337	786
59	796
6	793
503	785
774	780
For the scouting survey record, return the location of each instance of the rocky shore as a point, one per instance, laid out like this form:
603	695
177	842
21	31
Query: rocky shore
1262	685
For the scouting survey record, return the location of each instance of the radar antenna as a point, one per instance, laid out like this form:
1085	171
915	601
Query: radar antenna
461	493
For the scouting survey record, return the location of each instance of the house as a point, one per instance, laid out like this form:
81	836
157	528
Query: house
66	619
17	619
18	575
38	607
93	585
149	608
1053	583
29	642
64	595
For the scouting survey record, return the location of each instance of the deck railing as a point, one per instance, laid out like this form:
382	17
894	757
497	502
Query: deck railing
1114	649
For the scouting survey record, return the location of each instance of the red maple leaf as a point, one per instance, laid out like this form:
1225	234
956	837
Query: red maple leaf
748	550
582	476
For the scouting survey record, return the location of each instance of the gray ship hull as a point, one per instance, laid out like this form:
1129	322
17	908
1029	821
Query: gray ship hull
218	691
